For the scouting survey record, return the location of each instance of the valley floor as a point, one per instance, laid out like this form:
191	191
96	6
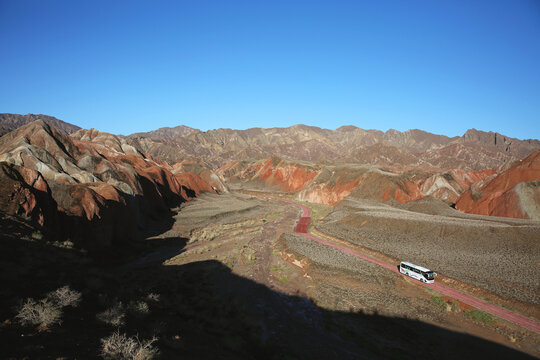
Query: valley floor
341	283
231	279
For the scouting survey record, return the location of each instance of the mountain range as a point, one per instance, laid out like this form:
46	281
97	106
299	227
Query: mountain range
86	185
475	150
10	122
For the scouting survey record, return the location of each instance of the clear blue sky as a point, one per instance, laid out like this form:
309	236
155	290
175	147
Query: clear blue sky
128	66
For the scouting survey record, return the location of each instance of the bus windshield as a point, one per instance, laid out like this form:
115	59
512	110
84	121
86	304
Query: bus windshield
429	275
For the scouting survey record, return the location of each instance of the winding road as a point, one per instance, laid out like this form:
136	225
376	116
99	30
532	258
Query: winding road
530	324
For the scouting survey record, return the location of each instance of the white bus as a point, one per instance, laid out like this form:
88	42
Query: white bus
417	272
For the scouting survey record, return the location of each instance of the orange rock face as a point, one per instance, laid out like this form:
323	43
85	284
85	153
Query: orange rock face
203	180
326	194
194	183
503	195
409	192
289	178
273	172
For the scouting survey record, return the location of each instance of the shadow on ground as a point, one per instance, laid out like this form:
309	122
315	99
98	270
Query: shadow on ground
199	310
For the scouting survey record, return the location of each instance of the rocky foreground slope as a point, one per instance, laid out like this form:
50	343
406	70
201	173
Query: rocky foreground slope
91	188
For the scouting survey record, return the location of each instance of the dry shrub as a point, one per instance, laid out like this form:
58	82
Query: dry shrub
115	315
138	308
119	346
64	296
44	313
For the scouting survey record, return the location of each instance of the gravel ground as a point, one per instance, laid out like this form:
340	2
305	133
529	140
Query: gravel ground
500	256
333	258
347	282
215	209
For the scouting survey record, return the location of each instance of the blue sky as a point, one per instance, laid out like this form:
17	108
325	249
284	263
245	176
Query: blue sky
129	66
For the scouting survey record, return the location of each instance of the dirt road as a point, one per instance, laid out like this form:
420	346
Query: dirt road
302	229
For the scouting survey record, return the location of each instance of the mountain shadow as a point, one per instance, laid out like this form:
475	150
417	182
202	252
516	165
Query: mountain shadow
199	310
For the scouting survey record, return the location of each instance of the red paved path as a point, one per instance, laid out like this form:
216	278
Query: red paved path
302	227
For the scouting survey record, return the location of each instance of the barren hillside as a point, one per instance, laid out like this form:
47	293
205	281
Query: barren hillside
475	150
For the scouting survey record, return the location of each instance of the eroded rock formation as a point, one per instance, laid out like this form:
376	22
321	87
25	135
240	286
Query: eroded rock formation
91	187
514	192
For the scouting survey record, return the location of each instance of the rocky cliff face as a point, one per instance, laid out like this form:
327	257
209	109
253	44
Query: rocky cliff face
514	192
90	187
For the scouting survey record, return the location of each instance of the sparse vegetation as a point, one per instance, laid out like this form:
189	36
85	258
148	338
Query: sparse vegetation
318	211
283	279
506	306
43	313
64	296
439	301
447	305
138	308
115	315
480	316
276	267
48	311
37	235
120	346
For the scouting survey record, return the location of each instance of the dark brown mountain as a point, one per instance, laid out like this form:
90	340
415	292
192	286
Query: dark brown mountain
500	143
10	122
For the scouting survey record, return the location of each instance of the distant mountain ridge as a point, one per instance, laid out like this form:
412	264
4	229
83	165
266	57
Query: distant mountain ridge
10	122
166	132
475	150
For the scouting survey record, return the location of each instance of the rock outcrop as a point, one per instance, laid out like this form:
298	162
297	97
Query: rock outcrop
513	193
202	178
449	186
